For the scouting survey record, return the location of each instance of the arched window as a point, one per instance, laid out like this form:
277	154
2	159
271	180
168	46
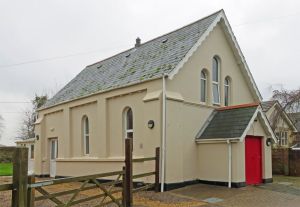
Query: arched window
216	80
128	122
227	91
86	135
203	86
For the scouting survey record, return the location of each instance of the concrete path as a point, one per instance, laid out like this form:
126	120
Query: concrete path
274	195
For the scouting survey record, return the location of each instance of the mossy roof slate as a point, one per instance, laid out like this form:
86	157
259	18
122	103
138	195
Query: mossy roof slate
229	123
266	105
148	61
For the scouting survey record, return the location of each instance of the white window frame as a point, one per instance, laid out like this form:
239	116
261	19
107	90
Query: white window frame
86	136
282	138
227	86
205	89
216	83
126	130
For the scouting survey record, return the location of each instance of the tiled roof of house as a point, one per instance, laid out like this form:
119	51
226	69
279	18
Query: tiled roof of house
148	61
228	122
296	119
266	105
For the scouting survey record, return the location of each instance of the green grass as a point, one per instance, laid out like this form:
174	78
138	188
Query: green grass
6	169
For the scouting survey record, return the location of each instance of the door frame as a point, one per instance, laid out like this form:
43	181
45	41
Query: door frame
261	138
52	159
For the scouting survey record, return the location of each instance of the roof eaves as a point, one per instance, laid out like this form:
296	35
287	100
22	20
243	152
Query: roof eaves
265	121
238	106
198	43
98	92
236	45
216	140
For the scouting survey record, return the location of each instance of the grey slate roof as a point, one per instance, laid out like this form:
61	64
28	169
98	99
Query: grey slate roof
266	105
148	61
229	123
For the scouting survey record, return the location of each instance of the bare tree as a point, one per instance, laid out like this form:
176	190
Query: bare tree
289	99
26	130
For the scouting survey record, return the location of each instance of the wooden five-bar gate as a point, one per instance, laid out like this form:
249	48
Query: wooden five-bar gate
118	190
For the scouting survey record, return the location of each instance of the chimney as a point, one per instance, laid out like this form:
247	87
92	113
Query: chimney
137	42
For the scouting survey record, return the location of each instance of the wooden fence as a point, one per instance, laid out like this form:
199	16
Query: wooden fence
19	157
286	161
118	191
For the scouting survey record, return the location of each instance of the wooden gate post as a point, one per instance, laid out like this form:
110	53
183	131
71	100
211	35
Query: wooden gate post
30	192
20	170
124	187
157	159
128	172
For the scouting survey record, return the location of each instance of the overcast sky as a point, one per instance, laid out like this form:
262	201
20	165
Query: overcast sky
44	44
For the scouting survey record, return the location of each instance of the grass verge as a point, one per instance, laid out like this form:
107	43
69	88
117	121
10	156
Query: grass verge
6	169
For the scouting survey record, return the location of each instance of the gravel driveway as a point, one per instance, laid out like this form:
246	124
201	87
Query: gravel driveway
285	191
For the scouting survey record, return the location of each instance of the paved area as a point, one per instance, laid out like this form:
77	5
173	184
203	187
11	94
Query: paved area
274	195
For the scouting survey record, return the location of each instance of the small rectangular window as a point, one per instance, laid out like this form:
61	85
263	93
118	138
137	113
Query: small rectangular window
203	90
53	150
226	100
32	151
87	145
216	94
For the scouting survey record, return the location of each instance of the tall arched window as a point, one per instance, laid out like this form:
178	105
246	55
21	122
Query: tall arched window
216	80
203	86
86	135
128	119
227	91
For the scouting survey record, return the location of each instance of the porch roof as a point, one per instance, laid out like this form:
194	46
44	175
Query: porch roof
228	122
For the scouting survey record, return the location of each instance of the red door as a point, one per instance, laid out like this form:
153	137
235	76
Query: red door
253	160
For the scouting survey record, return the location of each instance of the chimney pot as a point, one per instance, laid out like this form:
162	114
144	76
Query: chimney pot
137	42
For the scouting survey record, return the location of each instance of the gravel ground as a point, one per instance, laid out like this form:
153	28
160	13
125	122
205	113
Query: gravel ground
141	199
285	191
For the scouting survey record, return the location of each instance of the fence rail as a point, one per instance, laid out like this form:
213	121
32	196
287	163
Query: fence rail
106	189
118	191
4	187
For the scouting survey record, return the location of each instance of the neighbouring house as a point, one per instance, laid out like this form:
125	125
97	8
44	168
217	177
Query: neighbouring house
281	123
189	92
296	120
29	143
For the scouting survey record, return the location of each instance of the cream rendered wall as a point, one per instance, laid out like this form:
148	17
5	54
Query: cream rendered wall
187	80
184	119
105	113
183	122
53	129
213	162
